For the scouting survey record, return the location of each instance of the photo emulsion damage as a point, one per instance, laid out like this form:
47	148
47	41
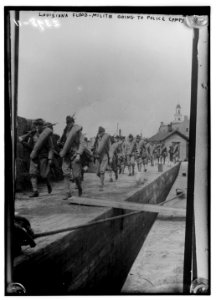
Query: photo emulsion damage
109	151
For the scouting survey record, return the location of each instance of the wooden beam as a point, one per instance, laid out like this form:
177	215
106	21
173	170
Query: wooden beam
155	208
191	168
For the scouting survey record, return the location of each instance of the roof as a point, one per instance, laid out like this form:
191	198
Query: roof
162	136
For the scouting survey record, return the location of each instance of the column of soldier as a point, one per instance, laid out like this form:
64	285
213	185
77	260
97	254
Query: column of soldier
110	153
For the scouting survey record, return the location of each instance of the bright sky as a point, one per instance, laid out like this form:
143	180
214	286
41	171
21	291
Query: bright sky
106	70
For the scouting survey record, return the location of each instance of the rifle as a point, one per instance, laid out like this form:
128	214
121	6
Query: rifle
49	125
26	135
33	131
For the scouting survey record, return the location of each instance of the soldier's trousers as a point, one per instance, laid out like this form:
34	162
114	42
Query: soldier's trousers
102	165
39	167
130	160
69	165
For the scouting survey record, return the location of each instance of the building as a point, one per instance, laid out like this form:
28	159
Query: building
174	133
180	123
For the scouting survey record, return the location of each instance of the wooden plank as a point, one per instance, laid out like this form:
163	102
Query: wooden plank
129	205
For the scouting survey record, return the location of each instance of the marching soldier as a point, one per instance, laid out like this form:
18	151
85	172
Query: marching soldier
113	157
157	152
86	158
144	153
72	143
130	148
150	151
163	152
122	156
101	152
138	156
176	152
39	140
171	154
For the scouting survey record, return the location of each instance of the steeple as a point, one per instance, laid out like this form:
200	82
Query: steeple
178	115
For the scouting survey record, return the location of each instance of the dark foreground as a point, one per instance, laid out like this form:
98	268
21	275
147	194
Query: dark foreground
94	259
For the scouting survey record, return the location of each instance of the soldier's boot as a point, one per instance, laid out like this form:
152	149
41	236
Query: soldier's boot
116	175
34	194
49	187
34	187
67	188
129	170
123	170
79	186
110	176
102	182
132	171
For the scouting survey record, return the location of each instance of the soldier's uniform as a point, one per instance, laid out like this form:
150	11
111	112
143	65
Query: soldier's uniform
171	153
114	157
176	153
130	151
150	151
102	159
163	153
144	153
157	152
71	164
39	166
122	156
138	152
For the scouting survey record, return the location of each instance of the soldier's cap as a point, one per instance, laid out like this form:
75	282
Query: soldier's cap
38	122
130	136
138	136
101	129
70	119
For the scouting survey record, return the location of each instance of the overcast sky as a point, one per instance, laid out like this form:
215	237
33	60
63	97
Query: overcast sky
107	71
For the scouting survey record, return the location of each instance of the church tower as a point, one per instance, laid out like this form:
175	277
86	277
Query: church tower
178	115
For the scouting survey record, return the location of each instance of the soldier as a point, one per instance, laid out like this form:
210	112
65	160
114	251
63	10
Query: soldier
144	153
150	151
163	152
130	148
176	152
157	152
138	156
101	152
113	157
122	156
71	153
170	154
39	165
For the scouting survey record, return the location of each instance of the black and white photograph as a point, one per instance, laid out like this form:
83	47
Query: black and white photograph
107	146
